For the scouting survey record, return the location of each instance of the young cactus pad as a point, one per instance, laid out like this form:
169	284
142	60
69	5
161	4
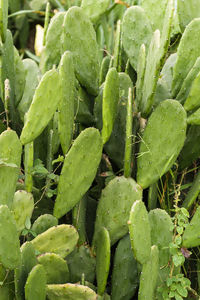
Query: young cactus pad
103	259
60	240
125	274
35	287
187	53
140	232
94	8
110	103
117	197
28	261
157	155
66	105
70	291
136	30
55	267
79	169
79	37
10	159
191	236
45	102
149	275
22	208
9	241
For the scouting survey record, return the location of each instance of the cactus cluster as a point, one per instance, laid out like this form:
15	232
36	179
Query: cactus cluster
99	149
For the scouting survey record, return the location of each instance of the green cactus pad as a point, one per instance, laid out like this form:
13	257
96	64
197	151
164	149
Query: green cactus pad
110	103
185	91
22	208
79	169
115	147
136	30
19	77
104	69
125	274
118	196
52	51
161	236
60	240
149	275
81	261
155	58
3	19
193	99
32	80
187	54
44	222
56	268
193	192
168	122
70	291
28	261
140	74
79	37
7	71
187	11
140	232
94	8
151	73
66	105
35	287
192	141
191	236
9	241
194	119
102	247
10	160
45	102
79	219
156	16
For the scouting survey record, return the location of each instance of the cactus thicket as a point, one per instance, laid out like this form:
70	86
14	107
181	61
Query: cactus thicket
99	149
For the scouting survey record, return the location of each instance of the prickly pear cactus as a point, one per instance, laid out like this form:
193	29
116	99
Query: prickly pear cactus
44	222
171	129
38	116
55	267
70	291
94	8
103	251
36	278
81	261
22	208
85	50
119	195
110	103
187	54
191	233
149	275
81	162
60	240
66	105
10	247
10	159
52	51
140	232
136	30
32	80
192	100
124	274
28	261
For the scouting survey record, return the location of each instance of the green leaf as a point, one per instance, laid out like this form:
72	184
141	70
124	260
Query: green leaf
178	297
58	160
185	212
179	229
182	290
178	259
